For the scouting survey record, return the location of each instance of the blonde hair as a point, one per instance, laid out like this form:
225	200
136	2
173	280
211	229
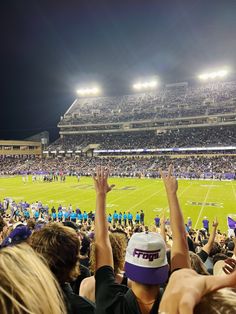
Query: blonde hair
27	285
118	244
217	302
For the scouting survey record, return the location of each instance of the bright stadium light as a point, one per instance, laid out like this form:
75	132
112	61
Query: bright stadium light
145	85
88	91
213	75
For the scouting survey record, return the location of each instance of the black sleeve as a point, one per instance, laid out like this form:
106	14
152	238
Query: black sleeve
203	255
107	292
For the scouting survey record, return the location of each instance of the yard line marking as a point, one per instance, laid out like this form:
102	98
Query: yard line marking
200	213
180	194
233	189
133	192
147	198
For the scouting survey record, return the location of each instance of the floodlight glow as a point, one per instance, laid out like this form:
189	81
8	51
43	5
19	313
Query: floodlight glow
213	75
145	85
88	91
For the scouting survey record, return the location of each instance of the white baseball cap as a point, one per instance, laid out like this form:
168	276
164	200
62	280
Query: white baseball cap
145	260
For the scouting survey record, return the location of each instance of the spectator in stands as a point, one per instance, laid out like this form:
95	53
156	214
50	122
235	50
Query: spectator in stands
60	246
146	274
27	285
197	264
118	244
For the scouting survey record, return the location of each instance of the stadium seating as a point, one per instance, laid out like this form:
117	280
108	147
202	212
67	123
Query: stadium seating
183	101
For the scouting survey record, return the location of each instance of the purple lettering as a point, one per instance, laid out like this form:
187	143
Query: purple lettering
150	255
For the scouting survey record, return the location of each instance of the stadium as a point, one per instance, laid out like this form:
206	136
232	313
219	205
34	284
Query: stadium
189	126
118	157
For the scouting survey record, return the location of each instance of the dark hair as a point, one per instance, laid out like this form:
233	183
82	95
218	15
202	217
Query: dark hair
2	224
219	257
60	246
216	248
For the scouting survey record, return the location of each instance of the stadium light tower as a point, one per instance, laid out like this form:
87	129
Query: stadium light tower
145	85
93	91
215	75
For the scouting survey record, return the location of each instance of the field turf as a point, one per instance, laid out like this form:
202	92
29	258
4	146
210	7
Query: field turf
197	198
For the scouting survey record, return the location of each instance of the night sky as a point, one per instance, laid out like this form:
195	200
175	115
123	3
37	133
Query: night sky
48	48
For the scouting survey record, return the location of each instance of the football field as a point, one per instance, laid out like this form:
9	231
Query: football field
198	198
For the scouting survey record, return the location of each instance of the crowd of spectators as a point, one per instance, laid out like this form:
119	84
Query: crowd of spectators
63	265
167	102
213	166
182	137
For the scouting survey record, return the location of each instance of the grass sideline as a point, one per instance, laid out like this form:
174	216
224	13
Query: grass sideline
198	198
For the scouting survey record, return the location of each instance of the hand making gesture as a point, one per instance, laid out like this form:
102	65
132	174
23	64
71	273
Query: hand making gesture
171	184
100	181
186	288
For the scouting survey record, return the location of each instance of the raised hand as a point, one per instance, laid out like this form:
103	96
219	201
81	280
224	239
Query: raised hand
163	218
230	266
186	288
215	223
171	184
100	181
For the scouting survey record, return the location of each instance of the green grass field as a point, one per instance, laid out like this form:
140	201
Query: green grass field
197	198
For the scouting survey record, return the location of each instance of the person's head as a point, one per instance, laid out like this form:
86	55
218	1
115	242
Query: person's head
60	246
219	257
216	248
118	244
18	235
145	260
197	264
24	280
31	223
220	301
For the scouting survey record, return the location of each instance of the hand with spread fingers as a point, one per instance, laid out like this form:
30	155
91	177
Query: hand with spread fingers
171	184
186	288
100	181
230	266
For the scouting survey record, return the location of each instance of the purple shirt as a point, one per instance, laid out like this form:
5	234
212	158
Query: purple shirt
205	223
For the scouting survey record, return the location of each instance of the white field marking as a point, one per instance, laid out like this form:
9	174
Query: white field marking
55	201
15	197
115	199
233	190
157	209
203	205
111	205
210	186
147	198
131	192
190	203
180	194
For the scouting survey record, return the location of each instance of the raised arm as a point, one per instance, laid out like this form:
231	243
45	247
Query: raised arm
207	247
179	250
102	242
186	288
163	226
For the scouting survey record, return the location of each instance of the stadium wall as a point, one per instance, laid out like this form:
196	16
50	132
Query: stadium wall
19	148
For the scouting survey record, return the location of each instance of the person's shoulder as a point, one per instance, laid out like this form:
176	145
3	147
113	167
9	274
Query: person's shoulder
87	284
106	286
104	273
75	303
